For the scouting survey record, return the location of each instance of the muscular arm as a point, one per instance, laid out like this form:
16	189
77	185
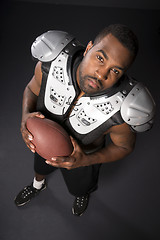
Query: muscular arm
32	91
123	141
29	104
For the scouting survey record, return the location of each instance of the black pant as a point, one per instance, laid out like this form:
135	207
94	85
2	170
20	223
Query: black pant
79	181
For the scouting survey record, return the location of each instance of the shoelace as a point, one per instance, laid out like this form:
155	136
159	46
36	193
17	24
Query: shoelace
27	192
80	201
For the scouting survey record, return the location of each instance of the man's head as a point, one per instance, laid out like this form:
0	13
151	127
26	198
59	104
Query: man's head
105	61
123	34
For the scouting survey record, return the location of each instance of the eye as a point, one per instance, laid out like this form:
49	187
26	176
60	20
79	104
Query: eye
100	58
115	71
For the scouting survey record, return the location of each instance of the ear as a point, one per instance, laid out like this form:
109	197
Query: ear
89	46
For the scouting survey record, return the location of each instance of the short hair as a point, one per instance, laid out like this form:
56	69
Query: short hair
125	36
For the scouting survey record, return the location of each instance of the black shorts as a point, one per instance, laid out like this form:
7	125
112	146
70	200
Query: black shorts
79	181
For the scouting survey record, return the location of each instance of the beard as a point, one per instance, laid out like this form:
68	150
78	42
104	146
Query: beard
86	87
82	85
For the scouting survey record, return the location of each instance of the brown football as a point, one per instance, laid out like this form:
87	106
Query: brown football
49	138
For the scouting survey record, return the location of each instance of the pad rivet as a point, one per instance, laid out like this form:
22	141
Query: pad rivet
66	51
124	91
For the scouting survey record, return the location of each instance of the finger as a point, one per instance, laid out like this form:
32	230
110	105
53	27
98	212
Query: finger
74	142
51	163
75	145
31	145
58	159
30	148
63	159
26	133
36	114
30	136
27	136
60	164
40	115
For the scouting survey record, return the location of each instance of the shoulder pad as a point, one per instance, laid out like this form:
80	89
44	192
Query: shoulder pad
142	128
47	46
138	108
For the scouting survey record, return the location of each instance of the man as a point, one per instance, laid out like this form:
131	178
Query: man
89	94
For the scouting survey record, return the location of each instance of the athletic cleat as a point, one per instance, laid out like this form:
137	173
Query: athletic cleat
80	204
27	194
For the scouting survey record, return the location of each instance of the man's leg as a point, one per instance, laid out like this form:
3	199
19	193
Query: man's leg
81	182
41	170
39	177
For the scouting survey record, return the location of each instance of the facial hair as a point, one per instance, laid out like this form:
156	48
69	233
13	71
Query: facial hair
89	89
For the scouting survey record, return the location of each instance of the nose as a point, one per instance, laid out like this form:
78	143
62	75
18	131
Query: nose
102	74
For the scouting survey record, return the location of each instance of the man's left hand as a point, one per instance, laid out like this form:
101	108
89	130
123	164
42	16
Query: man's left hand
75	160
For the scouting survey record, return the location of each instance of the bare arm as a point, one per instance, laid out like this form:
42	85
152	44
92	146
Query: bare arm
123	141
29	104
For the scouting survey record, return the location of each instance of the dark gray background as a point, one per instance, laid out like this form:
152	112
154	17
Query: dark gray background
127	203
139	4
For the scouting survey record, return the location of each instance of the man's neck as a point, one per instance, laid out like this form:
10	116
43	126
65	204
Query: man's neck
77	79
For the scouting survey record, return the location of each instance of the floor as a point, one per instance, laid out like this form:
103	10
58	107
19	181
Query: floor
127	203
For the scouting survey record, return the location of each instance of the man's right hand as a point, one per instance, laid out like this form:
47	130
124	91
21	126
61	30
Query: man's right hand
26	134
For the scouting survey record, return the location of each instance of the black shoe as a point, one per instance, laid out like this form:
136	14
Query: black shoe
27	194
80	204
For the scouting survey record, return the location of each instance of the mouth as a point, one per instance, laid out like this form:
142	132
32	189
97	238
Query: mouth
93	83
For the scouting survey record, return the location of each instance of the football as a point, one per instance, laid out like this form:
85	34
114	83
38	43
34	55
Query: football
49	138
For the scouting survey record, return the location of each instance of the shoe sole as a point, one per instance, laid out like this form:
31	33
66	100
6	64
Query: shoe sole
22	204
76	214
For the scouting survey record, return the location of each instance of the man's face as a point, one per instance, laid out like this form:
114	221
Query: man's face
103	65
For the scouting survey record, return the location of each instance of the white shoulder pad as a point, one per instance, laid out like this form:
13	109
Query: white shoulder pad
47	46
138	108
